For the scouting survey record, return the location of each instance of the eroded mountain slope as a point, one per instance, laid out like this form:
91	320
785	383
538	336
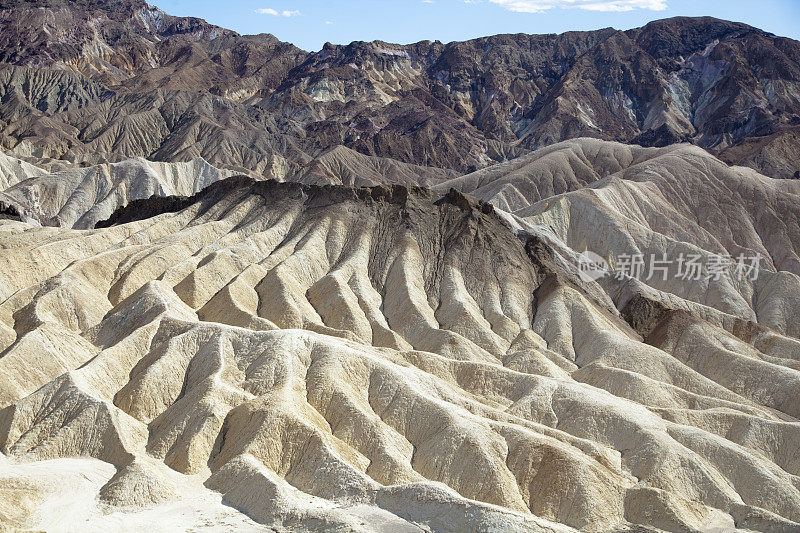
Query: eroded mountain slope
81	197
132	45
318	353
61	193
13	171
617	200
344	166
111	78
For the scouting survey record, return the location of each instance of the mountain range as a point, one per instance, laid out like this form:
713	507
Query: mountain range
93	81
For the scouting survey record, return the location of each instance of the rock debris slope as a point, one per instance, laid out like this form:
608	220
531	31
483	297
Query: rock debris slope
341	165
378	358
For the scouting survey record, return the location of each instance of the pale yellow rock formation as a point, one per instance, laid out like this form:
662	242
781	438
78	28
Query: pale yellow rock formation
386	360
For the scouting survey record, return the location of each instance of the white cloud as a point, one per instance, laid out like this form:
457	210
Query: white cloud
275	13
427	1
540	6
328	22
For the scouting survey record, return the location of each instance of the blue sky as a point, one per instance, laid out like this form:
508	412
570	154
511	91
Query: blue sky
310	23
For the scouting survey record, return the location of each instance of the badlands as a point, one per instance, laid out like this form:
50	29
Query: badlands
391	358
245	287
